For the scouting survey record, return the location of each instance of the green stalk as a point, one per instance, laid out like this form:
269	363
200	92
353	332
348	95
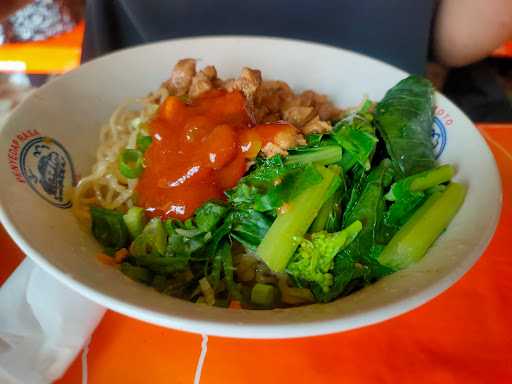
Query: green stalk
139	274
420	182
431	178
330	213
321	155
413	240
283	237
134	220
323	215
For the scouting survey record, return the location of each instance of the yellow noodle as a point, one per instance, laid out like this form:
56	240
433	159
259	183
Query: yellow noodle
105	186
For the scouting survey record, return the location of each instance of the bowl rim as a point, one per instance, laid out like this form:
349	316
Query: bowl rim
251	330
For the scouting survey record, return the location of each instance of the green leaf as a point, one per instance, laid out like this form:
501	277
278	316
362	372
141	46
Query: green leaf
295	181
314	139
354	266
330	216
407	194
357	136
227	265
243	196
280	242
403	208
161	265
140	274
250	227
209	215
412	241
404	118
326	154
267	171
272	184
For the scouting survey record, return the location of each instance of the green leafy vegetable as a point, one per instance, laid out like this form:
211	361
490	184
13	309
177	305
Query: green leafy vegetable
400	211
281	240
181	245
408	193
227	265
209	215
329	217
249	227
140	274
267	171
288	211
243	195
325	155
355	262
421	181
412	241
404	118
285	189
356	135
271	185
314	258
160	264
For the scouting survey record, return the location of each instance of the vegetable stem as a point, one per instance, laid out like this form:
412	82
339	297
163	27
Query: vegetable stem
321	155
139	274
282	239
431	178
134	220
329	216
413	240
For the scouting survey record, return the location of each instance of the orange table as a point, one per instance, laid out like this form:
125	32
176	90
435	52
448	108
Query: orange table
55	55
462	336
504	51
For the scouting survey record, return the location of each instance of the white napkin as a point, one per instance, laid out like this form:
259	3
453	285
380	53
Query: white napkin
43	326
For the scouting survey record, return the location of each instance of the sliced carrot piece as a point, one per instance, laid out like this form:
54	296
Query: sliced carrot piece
120	255
105	259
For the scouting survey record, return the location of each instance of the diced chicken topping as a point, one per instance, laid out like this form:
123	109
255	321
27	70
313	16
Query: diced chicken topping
181	77
316	126
298	116
203	81
267	101
271	149
248	82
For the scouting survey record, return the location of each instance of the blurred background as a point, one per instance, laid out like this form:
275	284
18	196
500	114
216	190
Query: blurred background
42	39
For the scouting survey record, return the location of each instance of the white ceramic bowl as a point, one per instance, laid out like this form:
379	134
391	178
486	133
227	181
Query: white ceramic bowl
70	110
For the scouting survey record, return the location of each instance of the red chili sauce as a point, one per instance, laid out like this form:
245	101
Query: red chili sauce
199	150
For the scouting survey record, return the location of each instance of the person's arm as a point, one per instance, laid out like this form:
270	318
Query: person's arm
8	7
466	31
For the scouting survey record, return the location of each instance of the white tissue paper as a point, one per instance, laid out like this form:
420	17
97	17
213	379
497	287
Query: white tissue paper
43	326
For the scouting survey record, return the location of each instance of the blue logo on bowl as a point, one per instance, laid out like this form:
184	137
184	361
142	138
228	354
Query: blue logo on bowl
48	169
439	137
